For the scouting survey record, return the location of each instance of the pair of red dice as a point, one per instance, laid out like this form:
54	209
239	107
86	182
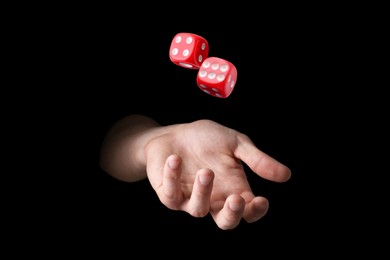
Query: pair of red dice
216	76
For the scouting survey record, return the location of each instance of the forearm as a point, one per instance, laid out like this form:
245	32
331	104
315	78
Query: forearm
123	149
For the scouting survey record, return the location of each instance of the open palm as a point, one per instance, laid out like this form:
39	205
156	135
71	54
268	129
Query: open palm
198	168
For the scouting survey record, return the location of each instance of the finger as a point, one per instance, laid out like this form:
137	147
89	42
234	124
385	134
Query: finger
230	215
171	189
260	162
256	209
199	204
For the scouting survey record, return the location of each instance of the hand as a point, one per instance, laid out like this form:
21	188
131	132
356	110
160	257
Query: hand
198	168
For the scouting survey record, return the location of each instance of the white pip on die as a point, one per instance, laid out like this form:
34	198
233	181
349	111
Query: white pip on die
217	77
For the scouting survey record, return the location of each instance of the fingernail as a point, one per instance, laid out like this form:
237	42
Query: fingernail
173	164
204	179
234	206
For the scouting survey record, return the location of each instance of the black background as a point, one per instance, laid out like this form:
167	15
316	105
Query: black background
93	67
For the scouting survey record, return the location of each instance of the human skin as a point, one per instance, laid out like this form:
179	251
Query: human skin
195	167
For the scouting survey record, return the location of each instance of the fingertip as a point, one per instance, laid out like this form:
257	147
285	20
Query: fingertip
286	174
256	209
278	172
236	203
173	161
260	204
205	176
229	217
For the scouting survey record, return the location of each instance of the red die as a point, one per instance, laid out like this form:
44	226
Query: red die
188	50
217	77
